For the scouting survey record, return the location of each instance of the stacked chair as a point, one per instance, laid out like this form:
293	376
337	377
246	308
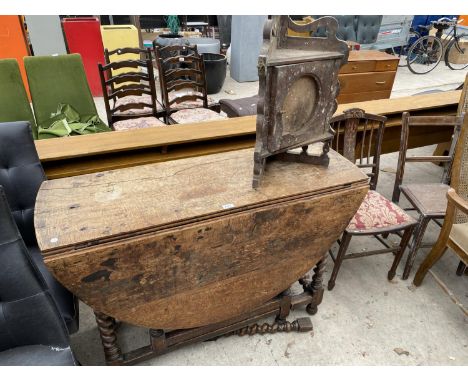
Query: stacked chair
376	216
183	85
129	91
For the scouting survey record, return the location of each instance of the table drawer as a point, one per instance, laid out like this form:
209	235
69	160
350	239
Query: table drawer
366	82
358	67
384	66
363	96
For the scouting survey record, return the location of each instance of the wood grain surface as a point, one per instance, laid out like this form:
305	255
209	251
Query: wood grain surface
188	243
83	209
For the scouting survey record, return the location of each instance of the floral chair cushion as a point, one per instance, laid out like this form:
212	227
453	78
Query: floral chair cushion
136	99
196	115
376	212
137	123
188	104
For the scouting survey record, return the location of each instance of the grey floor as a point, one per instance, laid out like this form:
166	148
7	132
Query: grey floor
365	320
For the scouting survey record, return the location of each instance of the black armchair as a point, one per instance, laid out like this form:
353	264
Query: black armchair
32	330
21	175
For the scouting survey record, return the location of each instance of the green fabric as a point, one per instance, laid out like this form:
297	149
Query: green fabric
55	80
67	121
14	102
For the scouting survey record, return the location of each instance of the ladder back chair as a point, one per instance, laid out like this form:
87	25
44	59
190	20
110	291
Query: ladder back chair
428	199
454	232
183	85
136	86
377	216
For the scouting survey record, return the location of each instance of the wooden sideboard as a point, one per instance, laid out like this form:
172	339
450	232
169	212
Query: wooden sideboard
368	75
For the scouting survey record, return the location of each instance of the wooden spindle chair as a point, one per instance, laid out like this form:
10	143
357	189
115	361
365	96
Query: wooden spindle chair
183	85
358	136
428	199
136	80
454	232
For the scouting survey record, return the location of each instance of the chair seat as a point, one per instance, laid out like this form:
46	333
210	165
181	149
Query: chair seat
239	107
188	104
429	199
137	123
196	115
145	98
377	212
459	235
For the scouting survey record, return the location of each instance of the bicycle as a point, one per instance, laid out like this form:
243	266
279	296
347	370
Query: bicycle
402	51
426	52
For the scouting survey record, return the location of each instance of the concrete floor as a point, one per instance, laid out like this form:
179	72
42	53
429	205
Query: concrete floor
365	319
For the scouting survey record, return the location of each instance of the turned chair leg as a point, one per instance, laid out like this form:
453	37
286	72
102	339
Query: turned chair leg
461	268
339	259
403	244
413	250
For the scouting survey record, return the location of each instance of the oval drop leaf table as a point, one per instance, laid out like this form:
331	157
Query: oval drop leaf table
189	243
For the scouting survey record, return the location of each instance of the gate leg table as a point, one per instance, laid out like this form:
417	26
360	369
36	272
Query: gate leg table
189	250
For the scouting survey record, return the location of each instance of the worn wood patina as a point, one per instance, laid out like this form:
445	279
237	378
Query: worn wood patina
190	244
298	85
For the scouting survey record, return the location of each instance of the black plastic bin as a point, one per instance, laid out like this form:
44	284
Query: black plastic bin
215	70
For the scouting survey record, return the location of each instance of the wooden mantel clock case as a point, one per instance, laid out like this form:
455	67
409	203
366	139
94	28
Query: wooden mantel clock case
297	91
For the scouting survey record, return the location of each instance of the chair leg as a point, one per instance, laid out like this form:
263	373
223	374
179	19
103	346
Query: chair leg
436	253
417	238
461	268
339	258
403	244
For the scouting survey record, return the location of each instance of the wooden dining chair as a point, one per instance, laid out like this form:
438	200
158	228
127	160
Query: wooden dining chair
358	136
454	232
137	82
183	85
427	199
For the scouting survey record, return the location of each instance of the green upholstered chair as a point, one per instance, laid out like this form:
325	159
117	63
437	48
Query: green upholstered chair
55	80
14	102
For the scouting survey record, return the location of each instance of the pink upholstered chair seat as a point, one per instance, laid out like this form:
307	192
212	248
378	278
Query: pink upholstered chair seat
196	115
137	123
188	104
378	212
145	98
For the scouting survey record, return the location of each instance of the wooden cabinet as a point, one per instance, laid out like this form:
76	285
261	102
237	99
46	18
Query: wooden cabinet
368	75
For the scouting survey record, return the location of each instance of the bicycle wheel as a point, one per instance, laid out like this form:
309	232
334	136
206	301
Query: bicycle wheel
456	54
424	55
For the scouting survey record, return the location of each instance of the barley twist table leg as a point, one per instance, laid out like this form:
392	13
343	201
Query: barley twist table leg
316	286
106	327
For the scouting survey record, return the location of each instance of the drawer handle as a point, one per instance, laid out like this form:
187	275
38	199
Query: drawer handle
380	82
354	67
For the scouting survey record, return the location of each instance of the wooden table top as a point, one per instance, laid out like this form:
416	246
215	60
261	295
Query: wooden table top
189	243
92	208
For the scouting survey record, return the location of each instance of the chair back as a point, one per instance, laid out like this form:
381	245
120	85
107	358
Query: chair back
21	175
29	313
125	54
55	80
459	180
181	75
14	102
408	123
136	79
358	137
